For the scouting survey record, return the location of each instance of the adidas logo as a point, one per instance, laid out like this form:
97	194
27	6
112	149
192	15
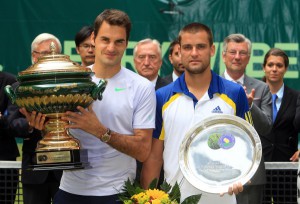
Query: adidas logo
217	110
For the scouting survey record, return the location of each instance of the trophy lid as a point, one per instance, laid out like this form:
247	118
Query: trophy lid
54	63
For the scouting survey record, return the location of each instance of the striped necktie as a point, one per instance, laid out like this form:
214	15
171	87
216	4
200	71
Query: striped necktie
274	98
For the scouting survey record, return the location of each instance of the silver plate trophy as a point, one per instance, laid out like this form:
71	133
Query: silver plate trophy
218	152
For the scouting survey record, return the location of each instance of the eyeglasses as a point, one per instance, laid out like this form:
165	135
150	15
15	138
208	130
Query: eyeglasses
42	53
87	46
242	53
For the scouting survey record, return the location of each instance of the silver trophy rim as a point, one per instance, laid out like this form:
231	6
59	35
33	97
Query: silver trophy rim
210	122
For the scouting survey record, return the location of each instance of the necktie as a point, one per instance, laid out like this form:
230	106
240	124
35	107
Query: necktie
274	98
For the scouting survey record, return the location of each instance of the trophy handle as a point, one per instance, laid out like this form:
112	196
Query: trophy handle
10	93
99	89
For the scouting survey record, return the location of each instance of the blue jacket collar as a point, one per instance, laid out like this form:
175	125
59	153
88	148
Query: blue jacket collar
216	85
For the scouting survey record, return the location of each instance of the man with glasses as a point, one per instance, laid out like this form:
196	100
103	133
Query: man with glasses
236	56
8	146
40	46
39	187
148	60
84	46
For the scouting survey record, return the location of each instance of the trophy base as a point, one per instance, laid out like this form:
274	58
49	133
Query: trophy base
60	160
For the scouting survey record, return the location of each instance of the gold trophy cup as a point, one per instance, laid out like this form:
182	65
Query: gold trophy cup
52	86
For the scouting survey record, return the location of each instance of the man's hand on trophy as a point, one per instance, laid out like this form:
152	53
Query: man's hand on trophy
84	119
35	120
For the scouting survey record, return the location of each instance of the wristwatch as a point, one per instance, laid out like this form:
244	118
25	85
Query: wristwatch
106	136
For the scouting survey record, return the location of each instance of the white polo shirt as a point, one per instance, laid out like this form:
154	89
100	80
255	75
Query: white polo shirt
128	103
178	111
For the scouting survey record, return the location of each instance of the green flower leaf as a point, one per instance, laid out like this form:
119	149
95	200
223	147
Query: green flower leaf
165	186
130	189
153	184
175	193
194	199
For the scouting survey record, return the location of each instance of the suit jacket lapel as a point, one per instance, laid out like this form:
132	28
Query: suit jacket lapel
248	83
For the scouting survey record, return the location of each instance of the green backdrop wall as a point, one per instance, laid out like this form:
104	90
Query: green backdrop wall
267	23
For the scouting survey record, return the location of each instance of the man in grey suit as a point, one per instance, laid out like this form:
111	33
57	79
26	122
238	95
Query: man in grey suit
236	55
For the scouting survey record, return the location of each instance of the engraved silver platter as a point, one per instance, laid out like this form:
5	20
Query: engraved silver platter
219	151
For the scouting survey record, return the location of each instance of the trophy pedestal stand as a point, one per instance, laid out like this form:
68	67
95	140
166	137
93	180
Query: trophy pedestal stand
60	160
58	150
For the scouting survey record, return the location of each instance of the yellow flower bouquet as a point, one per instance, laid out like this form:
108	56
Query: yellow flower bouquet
132	193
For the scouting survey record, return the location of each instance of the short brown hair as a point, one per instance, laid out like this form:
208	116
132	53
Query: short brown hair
172	45
278	53
113	17
194	28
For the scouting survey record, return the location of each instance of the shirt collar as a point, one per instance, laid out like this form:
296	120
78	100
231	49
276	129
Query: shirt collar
280	92
214	87
154	81
174	76
240	80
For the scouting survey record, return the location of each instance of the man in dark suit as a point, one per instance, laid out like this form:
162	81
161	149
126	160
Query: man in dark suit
39	187
147	59
175	59
297	126
8	146
297	116
236	55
